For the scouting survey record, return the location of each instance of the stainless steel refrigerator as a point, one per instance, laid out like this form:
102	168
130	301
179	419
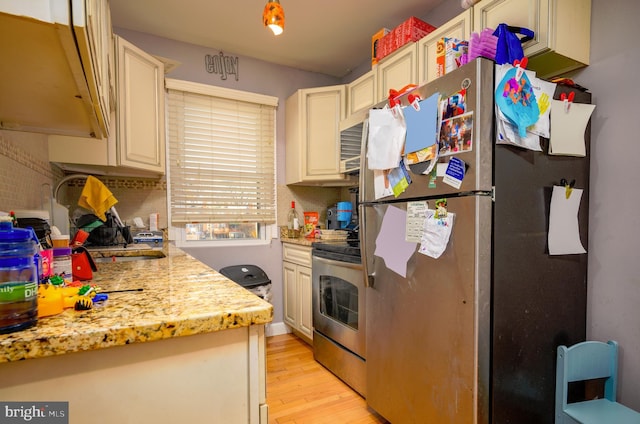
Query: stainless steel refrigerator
471	337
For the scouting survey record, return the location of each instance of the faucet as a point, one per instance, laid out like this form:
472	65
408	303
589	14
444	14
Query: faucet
65	179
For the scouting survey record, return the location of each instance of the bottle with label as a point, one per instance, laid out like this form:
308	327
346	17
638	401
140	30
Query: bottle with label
293	222
62	263
18	278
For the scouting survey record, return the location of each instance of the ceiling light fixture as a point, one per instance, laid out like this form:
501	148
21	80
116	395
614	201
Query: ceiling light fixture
273	16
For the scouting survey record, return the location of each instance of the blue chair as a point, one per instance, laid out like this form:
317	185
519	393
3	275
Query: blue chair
590	360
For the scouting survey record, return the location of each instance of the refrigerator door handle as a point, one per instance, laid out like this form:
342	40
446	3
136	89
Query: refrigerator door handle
368	277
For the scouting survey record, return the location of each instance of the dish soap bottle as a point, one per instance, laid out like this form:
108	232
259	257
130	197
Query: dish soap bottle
293	222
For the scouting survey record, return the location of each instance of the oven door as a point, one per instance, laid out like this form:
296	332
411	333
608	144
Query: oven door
339	303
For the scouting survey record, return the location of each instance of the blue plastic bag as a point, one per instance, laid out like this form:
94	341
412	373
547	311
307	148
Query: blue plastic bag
509	47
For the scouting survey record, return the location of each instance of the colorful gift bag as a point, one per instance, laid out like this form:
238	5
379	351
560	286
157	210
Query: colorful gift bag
517	101
509	46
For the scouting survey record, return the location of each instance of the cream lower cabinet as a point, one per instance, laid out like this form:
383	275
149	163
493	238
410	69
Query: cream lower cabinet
296	273
136	143
216	377
562	30
312	117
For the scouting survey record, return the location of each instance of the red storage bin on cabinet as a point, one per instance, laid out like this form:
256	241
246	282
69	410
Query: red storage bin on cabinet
412	29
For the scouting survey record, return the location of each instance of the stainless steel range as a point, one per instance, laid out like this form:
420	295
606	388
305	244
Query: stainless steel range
339	311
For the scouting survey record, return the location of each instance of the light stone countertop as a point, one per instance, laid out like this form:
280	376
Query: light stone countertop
301	241
181	296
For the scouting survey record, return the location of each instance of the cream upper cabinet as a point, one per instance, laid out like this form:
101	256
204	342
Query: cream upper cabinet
296	272
458	27
562	30
397	70
312	118
136	143
361	94
58	81
97	48
140	109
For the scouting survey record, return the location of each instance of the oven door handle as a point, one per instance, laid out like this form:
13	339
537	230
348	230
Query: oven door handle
333	262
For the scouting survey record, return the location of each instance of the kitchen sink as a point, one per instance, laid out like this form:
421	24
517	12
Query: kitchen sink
115	258
135	252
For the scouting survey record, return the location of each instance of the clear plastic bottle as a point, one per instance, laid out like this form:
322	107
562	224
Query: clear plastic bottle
293	221
18	279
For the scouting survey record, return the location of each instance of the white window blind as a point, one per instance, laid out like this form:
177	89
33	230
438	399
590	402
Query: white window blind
221	154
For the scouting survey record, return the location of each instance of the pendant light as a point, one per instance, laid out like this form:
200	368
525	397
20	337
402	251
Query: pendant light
273	16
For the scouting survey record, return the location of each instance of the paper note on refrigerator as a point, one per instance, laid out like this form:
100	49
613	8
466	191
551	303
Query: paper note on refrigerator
416	214
564	234
568	127
391	244
436	234
387	131
422	124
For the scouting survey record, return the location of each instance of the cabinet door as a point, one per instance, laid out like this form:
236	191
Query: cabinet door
324	110
140	108
312	123
361	93
289	280
398	70
562	30
99	38
532	14
459	27
305	321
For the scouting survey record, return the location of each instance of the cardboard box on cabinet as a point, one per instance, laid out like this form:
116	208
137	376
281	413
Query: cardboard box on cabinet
451	53
375	39
412	29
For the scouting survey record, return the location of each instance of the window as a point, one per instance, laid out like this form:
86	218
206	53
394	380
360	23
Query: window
221	162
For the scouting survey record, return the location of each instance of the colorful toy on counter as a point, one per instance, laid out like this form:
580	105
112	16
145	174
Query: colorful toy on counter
83	304
50	300
55	297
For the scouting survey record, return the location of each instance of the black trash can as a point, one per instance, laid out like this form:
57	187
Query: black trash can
250	277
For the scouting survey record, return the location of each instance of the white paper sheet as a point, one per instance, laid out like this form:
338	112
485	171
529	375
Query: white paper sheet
564	235
436	234
568	127
391	244
416	214
387	131
381	184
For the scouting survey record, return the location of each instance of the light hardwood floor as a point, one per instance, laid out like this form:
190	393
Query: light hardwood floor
301	391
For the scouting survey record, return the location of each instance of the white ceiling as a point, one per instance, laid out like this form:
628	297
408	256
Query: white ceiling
330	36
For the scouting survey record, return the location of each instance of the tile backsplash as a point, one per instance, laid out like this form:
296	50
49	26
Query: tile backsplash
308	199
26	176
137	197
27	180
